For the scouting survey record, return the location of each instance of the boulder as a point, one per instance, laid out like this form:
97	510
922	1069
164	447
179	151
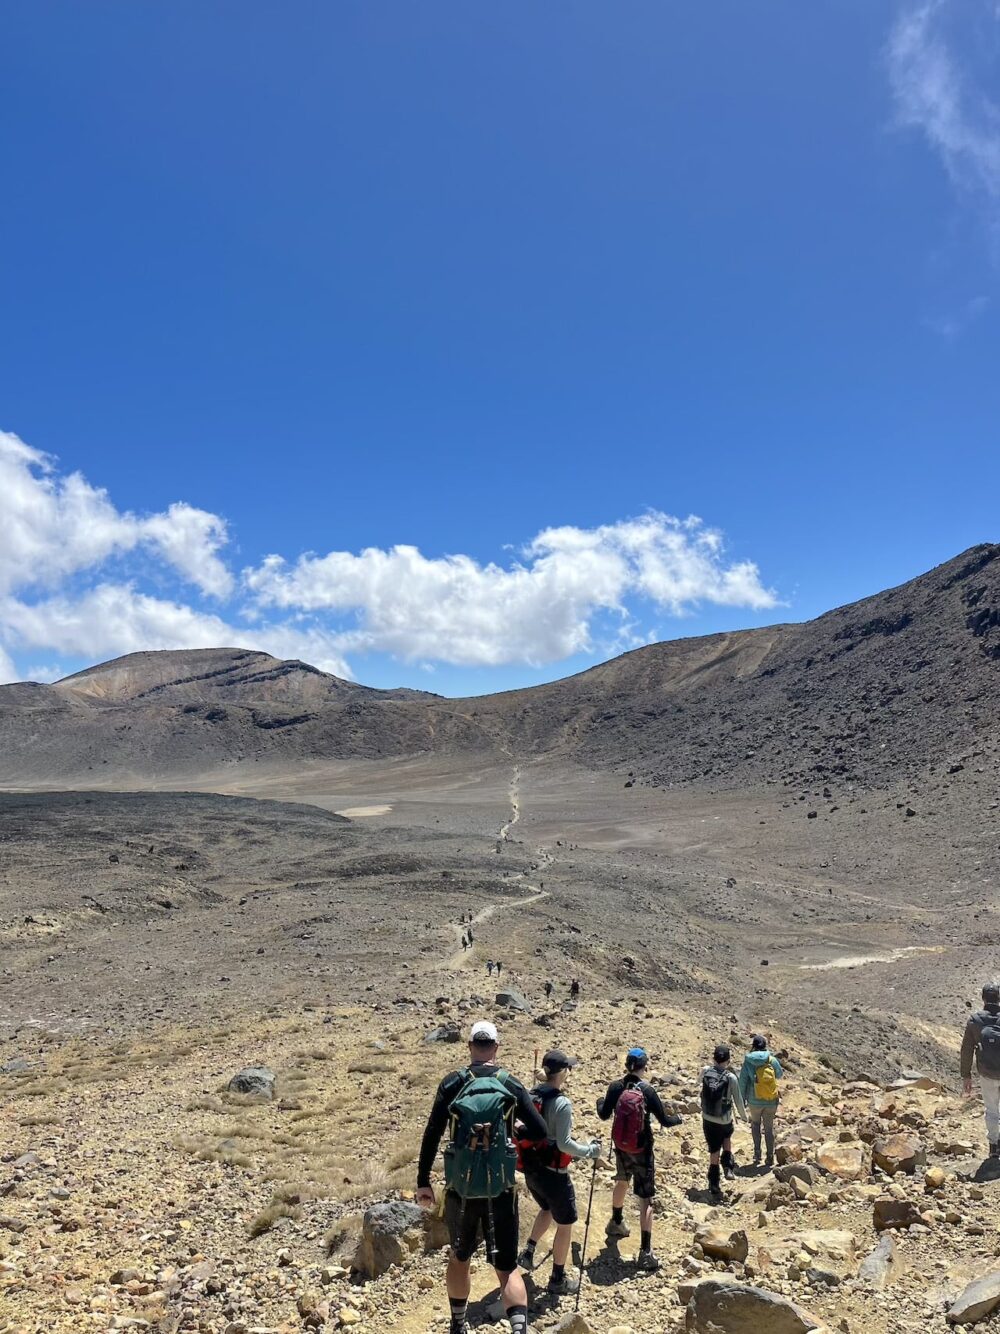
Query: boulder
735	1308
391	1233
512	1000
834	1243
573	1323
881	1266
844	1161
901	1152
790	1172
977	1301
720	1244
254	1081
888	1212
445	1033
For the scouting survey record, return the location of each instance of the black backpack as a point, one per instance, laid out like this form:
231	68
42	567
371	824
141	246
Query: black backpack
716	1093
989	1046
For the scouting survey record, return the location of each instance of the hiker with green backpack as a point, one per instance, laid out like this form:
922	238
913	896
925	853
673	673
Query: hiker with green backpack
720	1094
633	1103
759	1087
478	1105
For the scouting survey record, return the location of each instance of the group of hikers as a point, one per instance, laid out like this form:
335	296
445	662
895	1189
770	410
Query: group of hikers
496	1127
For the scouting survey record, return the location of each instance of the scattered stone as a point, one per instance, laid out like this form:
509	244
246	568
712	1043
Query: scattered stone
978	1300
391	1233
254	1080
881	1266
901	1214
901	1152
721	1244
845	1161
445	1033
512	1000
735	1308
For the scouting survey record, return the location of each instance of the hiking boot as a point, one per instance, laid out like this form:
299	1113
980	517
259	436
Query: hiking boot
526	1260
995	1149
565	1286
647	1261
614	1229
769	1160
756	1160
715	1195
729	1167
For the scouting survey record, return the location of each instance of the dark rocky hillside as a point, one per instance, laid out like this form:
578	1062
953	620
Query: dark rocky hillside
896	685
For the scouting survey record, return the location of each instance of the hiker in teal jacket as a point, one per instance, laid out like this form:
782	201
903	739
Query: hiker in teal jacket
759	1077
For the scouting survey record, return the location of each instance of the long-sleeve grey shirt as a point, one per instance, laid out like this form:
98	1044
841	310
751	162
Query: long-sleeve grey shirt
735	1094
558	1114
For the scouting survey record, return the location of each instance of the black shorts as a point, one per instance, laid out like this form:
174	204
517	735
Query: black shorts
640	1169
716	1135
553	1191
468	1226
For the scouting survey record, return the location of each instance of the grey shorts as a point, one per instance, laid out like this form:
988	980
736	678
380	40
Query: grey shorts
639	1169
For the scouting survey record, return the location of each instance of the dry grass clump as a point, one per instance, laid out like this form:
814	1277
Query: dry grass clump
342	1238
266	1219
227	1154
370	1068
404	1152
205	1103
41	1119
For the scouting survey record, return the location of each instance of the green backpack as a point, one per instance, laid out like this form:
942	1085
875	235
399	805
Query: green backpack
480	1157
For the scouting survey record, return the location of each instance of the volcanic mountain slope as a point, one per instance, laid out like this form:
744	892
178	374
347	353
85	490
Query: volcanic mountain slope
873	693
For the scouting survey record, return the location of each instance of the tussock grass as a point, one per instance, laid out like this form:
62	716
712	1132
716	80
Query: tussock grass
405	1151
41	1119
342	1238
205	1103
370	1068
266	1219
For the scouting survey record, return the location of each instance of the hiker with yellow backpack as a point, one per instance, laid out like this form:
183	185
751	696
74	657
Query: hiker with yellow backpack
759	1087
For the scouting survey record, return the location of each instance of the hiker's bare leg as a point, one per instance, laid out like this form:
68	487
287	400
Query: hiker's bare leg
727	1145
646	1215
715	1158
542	1224
512	1289
618	1194
560	1247
457	1279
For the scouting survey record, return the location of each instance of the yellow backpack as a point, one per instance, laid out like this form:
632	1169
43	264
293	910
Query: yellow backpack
765	1084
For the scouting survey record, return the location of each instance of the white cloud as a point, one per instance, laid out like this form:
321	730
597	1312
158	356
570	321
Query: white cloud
53	526
113	619
74	571
935	93
541	609
8	672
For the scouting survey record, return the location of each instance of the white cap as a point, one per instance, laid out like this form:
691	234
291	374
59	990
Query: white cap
483	1031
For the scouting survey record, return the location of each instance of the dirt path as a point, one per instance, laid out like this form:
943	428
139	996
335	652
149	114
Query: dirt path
515	806
463	958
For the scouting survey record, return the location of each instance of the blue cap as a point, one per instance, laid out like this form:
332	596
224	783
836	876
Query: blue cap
637	1057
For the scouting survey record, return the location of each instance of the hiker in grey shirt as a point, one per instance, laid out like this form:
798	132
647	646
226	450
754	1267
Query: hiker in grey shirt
546	1171
720	1093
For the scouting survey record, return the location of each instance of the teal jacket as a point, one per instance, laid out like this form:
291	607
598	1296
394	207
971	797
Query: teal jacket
748	1076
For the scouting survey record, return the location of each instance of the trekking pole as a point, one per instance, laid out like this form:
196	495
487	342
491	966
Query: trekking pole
586	1234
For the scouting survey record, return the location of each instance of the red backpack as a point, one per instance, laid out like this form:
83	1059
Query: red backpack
628	1130
536	1155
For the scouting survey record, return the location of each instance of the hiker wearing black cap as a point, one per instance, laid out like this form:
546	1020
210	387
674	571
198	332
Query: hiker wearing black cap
481	1103
720	1093
633	1103
546	1171
982	1041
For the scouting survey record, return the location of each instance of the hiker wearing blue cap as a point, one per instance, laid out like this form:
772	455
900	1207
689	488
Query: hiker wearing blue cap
633	1103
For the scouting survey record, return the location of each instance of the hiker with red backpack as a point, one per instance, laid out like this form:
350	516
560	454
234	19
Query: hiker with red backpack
982	1041
546	1171
480	1104
759	1087
633	1103
720	1094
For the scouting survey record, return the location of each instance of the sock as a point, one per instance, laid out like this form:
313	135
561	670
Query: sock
646	1243
518	1317
618	1215
530	1245
459	1308
558	1273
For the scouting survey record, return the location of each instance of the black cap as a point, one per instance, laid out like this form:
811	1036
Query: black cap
758	1042
722	1054
557	1060
991	993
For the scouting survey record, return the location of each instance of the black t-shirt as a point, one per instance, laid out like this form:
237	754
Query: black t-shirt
654	1107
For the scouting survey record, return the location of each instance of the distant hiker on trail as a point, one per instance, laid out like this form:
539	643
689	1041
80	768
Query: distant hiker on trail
720	1092
574	990
480	1103
632	1102
759	1088
548	990
982	1040
497	967
489	967
470	935
546	1171
465	941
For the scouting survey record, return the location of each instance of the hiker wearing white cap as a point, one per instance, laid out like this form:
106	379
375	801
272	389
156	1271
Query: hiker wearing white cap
546	1171
480	1102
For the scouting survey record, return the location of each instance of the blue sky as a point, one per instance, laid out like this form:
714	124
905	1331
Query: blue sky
406	338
